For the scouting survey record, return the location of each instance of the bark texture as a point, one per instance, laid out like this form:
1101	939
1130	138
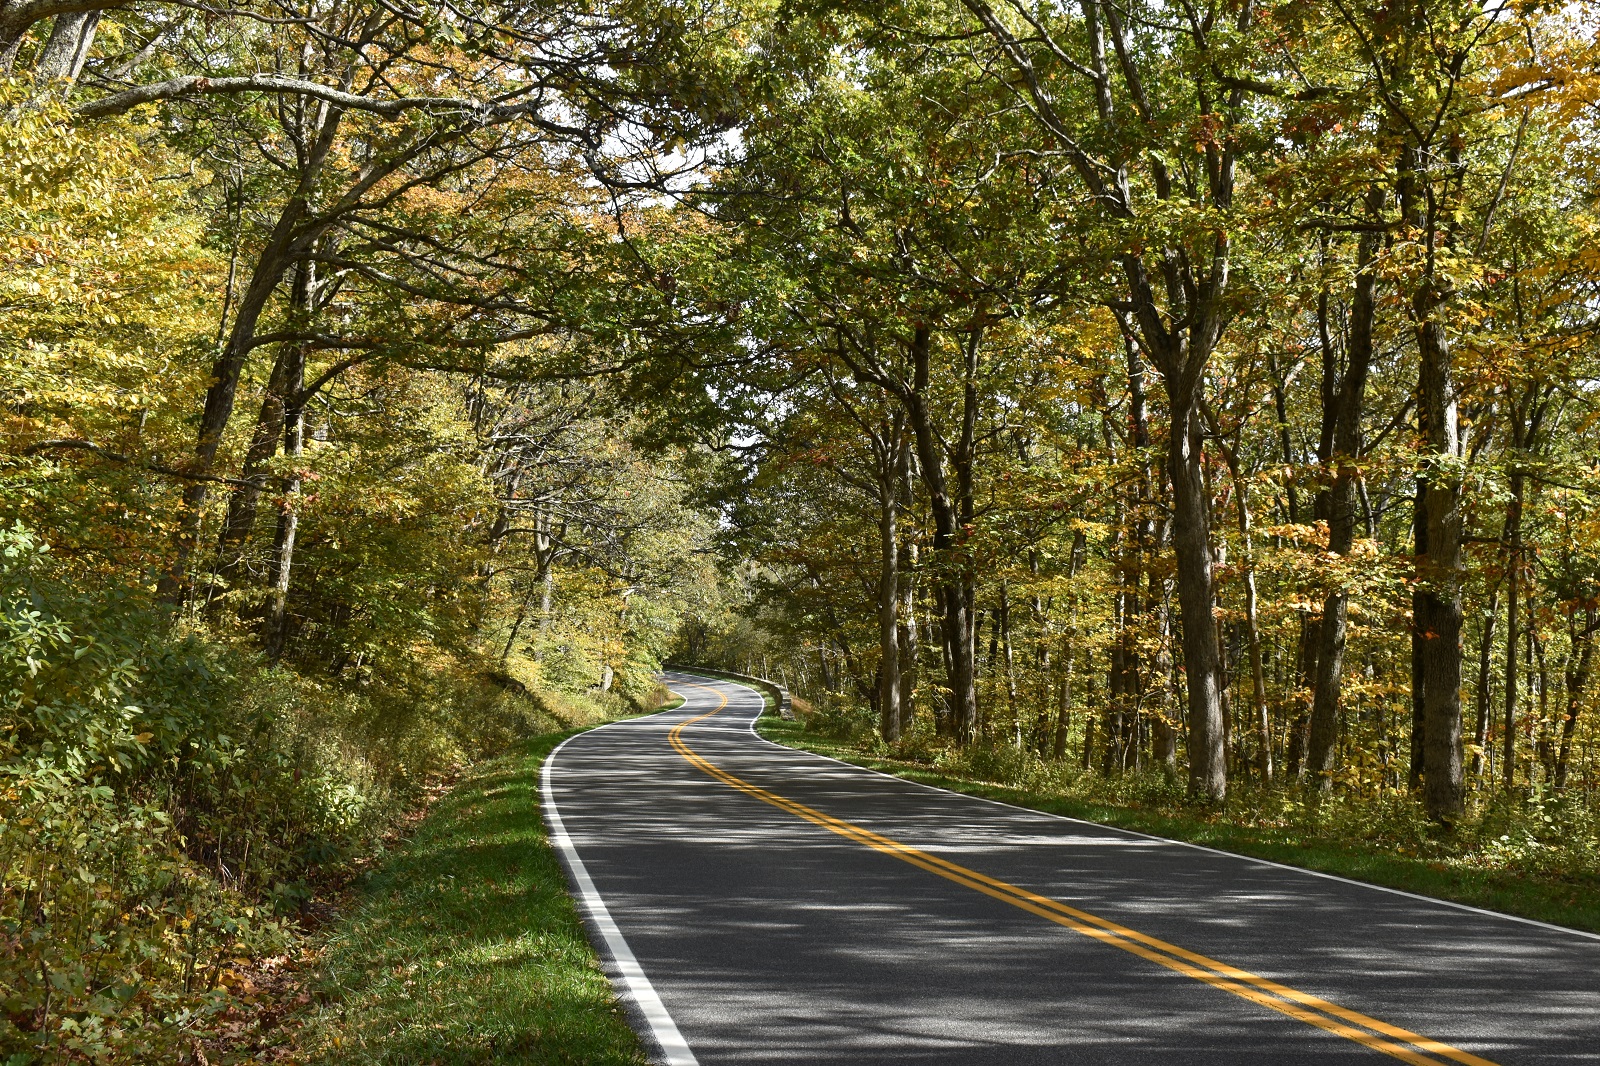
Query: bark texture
1343	409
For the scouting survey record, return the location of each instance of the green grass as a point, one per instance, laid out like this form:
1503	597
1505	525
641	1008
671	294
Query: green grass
1531	894
463	946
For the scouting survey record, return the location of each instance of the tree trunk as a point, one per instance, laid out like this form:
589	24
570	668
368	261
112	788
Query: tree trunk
1008	661
62	57
908	639
956	594
17	17
1191	542
1163	671
944	715
1322	743
276	634
1544	748
1044	683
246	498
1225	690
1069	652
1118	694
1419	626
1577	688
1086	761
286	245
1346	403
1258	678
1442	785
1480	732
1261	720
1526	414
889	600
547	588
516	627
1133	543
214	421
1508	754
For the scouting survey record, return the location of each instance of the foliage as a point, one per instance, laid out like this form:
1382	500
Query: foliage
264	571
885	199
1139	394
107	297
116	936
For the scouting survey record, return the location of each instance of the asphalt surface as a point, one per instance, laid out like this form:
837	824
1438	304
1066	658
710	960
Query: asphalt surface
759	936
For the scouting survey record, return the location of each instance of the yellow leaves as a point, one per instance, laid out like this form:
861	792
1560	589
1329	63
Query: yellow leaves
105	282
1297	532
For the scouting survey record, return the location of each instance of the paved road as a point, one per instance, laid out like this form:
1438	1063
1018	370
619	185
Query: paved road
765	905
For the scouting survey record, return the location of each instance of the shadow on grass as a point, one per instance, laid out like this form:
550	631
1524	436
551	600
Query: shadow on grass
464	948
1523	893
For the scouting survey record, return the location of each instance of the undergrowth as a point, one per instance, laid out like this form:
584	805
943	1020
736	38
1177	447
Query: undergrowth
172	807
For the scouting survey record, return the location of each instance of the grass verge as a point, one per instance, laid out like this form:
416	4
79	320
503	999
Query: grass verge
1530	895
463	946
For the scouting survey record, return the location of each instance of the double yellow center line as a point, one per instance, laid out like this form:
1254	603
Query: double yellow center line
1352	1025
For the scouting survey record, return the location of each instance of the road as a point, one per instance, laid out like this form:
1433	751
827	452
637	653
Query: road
759	904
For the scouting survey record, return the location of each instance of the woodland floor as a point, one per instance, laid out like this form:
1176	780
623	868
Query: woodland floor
1545	897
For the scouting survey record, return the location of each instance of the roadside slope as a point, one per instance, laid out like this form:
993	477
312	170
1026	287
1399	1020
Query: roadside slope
464	947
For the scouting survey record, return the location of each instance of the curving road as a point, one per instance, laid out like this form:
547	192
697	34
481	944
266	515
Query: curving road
759	904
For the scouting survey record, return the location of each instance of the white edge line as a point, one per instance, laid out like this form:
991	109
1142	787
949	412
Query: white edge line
1469	908
674	1048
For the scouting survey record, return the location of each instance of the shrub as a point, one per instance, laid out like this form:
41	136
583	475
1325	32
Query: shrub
115	941
167	802
841	720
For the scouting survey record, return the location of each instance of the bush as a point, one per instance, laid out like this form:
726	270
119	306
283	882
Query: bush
167	804
841	720
115	941
114	935
1003	764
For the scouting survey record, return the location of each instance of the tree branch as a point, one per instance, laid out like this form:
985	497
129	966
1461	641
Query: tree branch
483	112
73	444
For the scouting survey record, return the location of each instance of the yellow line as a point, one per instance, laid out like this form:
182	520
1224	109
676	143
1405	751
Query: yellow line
1260	990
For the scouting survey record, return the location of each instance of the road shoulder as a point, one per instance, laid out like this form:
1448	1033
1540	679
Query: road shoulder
465	946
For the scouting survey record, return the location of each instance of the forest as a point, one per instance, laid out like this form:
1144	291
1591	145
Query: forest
1190	400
